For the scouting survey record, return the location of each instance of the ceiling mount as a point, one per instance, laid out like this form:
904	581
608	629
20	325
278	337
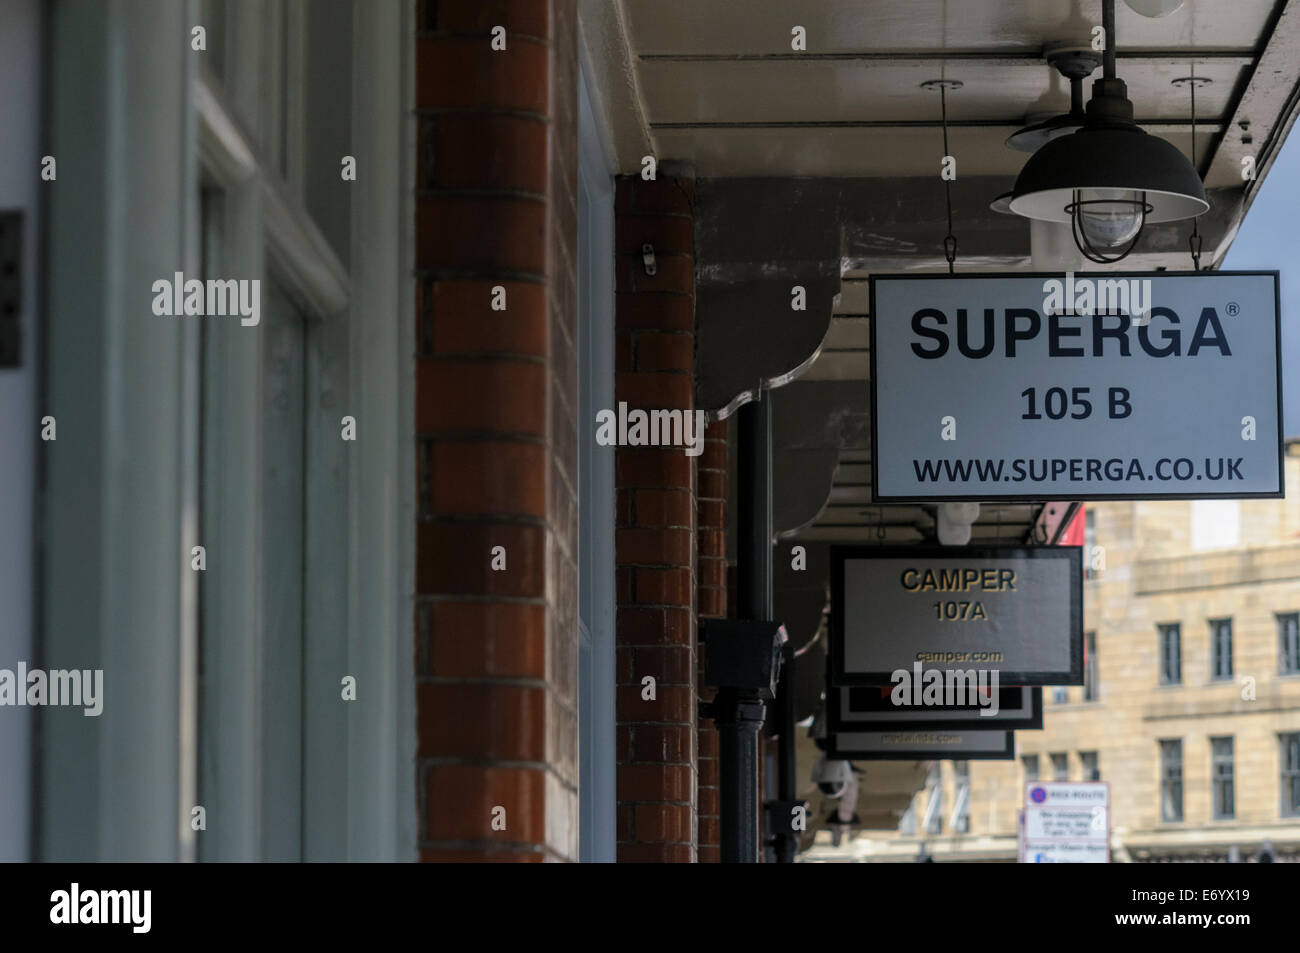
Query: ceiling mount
1075	63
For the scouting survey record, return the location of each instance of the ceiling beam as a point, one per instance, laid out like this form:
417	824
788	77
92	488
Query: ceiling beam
1165	126
1015	56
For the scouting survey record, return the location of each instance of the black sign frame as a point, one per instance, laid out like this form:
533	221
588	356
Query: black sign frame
1280	493
1006	753
839	554
837	722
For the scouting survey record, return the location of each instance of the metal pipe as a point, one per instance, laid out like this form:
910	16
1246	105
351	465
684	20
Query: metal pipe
739	718
739	714
1108	25
754	530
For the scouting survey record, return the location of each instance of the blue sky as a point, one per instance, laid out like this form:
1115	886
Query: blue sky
1269	239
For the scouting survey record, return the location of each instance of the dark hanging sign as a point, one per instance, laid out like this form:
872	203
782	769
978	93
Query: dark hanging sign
868	708
923	745
1103	385
956	614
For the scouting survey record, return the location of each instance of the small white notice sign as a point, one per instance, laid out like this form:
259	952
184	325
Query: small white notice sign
1066	822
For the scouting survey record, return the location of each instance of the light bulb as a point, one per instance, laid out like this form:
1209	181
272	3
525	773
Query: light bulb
1110	218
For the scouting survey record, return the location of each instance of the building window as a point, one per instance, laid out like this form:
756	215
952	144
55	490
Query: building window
1220	649
1221	777
1030	763
1171	780
1060	695
1171	653
1088	760
1090	690
1288	639
1289	756
1060	766
960	821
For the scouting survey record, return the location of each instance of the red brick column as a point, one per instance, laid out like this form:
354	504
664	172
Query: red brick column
711	482
655	536
496	430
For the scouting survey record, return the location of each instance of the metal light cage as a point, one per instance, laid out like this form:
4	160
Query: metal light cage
1105	256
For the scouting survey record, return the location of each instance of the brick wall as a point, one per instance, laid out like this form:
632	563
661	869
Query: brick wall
496	430
656	526
711	483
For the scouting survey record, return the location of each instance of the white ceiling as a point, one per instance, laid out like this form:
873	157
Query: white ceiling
721	87
752	26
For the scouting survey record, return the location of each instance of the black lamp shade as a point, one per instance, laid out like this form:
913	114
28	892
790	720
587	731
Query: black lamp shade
1111	157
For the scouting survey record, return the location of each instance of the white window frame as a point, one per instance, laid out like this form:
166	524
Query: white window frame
122	787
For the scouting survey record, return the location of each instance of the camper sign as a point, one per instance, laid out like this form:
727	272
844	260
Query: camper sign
1076	386
952	625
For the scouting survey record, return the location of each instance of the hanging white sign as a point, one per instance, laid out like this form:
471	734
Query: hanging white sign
1097	386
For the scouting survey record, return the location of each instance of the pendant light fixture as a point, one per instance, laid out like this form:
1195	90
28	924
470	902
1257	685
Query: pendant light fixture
1110	178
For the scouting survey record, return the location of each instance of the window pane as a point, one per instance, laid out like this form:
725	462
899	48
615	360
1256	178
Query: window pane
1289	757
1171	663
1221	649
1088	760
1171	780
1060	767
1030	764
1288	635
1222	776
